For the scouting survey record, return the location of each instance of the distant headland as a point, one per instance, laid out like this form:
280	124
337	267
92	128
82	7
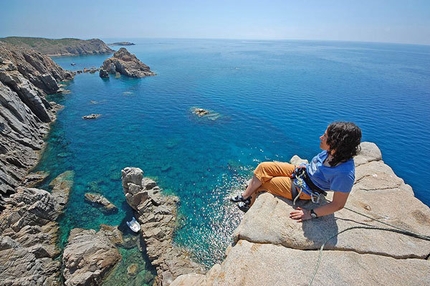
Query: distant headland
60	47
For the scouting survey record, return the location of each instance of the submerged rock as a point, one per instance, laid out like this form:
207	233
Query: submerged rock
207	114
200	112
91	116
132	269
101	201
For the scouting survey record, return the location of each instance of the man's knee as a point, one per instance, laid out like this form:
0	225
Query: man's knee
264	166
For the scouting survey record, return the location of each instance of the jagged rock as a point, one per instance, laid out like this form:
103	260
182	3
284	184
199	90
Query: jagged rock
287	252
100	200
157	215
103	73
25	78
88	257
32	179
126	64
28	236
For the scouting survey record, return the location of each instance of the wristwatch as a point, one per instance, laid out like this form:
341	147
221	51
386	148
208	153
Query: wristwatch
313	214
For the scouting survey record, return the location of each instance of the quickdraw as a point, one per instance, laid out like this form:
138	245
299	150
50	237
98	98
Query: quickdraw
300	182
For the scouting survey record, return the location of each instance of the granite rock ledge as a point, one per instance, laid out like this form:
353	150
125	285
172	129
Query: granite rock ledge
271	249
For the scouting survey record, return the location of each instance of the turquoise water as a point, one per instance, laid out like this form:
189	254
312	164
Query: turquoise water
274	99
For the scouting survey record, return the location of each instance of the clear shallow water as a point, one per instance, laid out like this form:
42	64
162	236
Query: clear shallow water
274	99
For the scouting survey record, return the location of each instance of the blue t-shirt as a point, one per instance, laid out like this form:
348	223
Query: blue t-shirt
339	178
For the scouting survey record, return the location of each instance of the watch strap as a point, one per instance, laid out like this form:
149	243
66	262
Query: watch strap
313	214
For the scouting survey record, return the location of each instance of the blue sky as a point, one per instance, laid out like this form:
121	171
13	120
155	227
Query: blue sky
395	21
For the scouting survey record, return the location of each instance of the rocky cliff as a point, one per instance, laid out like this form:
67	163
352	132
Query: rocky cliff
60	47
381	237
29	234
26	77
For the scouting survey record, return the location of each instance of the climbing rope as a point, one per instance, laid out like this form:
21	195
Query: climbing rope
392	229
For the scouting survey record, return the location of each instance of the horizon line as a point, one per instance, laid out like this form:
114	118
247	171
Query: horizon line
226	39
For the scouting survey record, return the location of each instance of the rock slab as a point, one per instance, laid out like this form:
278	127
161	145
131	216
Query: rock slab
88	257
366	243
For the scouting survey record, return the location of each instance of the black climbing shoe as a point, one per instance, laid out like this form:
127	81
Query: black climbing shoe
245	205
238	198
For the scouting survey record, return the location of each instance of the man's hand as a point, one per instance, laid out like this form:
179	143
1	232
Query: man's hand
300	214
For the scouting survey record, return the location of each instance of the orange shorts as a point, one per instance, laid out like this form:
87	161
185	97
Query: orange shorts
275	178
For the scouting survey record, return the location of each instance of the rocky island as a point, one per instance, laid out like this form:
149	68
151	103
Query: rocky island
122	44
125	63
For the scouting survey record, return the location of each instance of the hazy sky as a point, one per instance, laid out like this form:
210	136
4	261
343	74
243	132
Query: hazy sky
396	21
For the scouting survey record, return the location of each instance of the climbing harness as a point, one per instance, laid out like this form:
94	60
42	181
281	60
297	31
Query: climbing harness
301	180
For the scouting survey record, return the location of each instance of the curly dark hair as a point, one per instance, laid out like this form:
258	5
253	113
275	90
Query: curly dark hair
344	138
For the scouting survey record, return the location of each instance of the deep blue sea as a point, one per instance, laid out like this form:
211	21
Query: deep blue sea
272	99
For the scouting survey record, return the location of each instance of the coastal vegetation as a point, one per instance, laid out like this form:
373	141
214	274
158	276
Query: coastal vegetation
59	47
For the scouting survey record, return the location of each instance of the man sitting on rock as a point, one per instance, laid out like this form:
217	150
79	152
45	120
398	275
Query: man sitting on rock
331	170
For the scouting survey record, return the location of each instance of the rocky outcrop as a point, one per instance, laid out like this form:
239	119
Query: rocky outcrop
371	241
28	234
60	47
126	64
200	111
88	257
157	216
25	79
103	74
91	116
206	114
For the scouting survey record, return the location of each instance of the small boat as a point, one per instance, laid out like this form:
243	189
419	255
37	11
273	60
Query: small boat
134	225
